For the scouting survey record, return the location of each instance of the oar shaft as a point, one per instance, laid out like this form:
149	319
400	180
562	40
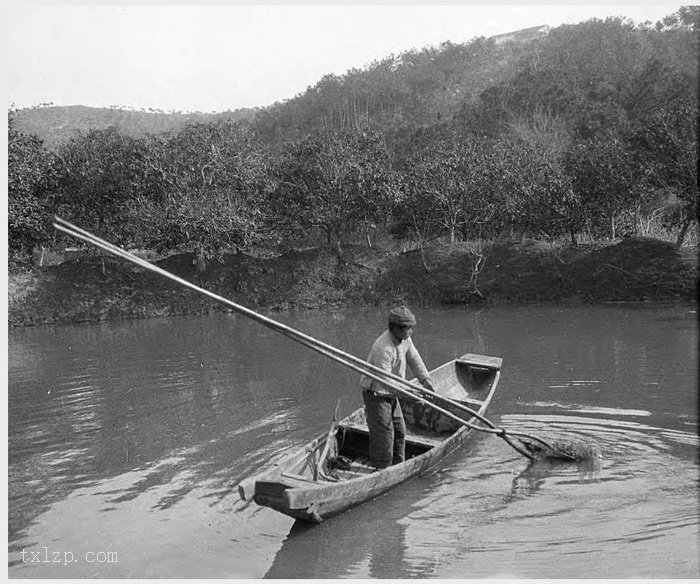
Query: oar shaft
395	382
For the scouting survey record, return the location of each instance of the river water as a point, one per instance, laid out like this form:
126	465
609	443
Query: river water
127	441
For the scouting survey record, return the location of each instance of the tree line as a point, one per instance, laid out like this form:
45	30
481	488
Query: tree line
590	129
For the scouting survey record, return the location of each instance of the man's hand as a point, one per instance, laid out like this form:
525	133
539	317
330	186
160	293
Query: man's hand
428	384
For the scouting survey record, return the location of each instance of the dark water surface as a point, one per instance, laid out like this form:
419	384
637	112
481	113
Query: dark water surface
127	441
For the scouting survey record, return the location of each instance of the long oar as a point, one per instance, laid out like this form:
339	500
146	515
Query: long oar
538	447
375	373
311	342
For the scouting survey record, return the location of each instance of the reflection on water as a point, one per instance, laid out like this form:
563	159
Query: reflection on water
537	473
358	544
376	549
132	437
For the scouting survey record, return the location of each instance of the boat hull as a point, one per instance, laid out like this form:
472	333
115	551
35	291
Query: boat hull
295	486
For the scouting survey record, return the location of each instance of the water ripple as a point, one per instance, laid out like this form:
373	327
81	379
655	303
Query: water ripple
613	435
589	409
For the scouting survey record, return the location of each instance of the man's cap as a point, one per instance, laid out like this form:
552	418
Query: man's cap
402	316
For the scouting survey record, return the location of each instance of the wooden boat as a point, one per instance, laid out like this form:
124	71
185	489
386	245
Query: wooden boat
302	488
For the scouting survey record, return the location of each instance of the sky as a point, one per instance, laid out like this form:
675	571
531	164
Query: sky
222	57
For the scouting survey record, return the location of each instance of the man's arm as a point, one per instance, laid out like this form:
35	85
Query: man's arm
416	364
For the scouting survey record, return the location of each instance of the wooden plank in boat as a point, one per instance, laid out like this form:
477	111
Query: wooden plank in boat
424	439
358	427
296	480
481	361
351	474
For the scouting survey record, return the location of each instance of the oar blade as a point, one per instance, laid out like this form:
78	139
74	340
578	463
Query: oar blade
564	450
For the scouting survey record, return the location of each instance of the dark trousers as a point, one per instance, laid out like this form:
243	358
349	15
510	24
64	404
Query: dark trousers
387	430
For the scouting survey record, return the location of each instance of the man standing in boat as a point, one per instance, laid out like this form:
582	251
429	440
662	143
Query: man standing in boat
391	352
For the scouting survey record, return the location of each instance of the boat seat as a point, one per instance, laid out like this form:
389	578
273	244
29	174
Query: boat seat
423	439
357	427
413	437
494	363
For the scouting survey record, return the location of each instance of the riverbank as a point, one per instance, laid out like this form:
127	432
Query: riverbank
96	288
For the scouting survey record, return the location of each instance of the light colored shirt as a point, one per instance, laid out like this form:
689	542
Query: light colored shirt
392	355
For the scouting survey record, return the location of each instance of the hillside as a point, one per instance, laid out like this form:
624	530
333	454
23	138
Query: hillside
466	70
56	124
593	74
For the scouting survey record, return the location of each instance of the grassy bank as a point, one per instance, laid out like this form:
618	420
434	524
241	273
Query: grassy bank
94	288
